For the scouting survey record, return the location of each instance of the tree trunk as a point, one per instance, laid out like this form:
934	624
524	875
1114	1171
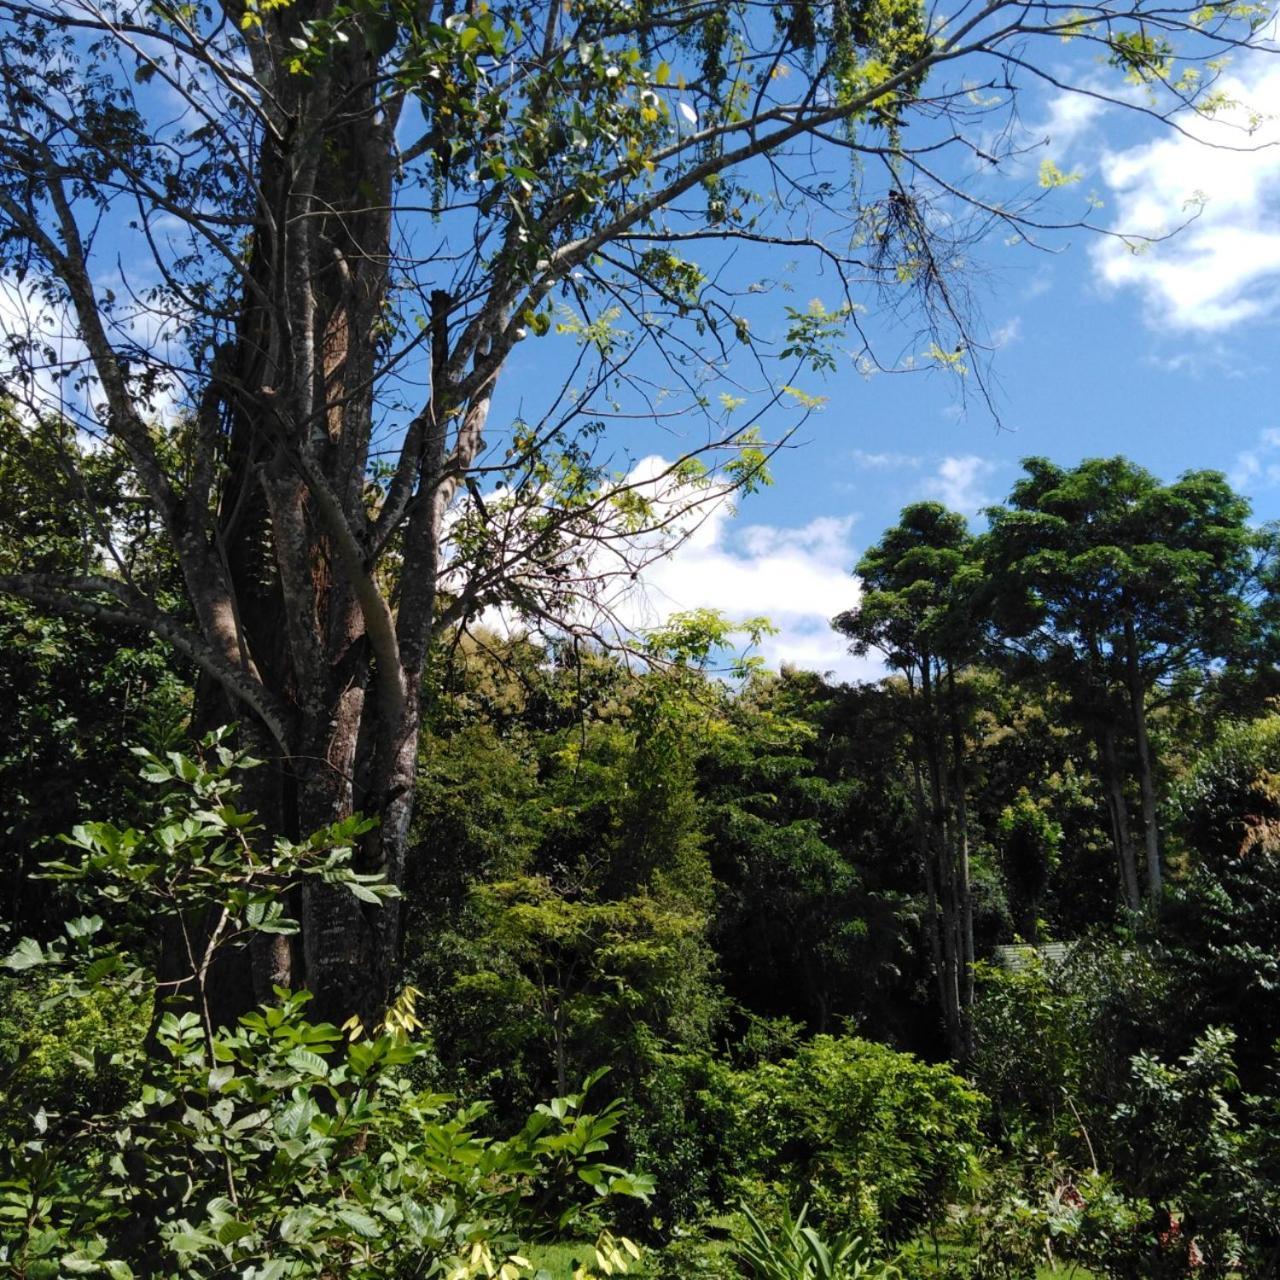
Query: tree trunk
941	842
1146	772
293	395
1117	808
932	915
961	803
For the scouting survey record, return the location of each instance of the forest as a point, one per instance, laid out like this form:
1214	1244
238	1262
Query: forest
966	971
386	893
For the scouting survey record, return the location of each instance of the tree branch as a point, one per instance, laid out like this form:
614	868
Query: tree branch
74	594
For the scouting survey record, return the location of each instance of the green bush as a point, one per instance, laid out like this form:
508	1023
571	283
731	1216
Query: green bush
687	1132
881	1140
62	1051
1053	1043
877	1140
280	1147
1191	1183
693	1254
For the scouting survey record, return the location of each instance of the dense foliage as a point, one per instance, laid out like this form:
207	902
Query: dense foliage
822	980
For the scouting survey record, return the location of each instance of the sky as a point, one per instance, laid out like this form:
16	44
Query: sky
1169	356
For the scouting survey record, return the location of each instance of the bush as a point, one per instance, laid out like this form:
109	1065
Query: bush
1192	1184
882	1140
65	1051
692	1254
280	1147
688	1133
1053	1044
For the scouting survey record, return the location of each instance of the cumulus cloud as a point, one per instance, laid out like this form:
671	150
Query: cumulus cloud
798	577
960	483
1224	268
1259	467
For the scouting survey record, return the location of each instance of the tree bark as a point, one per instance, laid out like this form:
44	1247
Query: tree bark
933	921
960	790
1146	771
1122	840
942	842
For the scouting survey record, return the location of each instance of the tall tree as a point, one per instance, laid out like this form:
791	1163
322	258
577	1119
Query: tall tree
342	217
918	583
1120	584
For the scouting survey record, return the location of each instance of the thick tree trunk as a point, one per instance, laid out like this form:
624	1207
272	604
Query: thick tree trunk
296	401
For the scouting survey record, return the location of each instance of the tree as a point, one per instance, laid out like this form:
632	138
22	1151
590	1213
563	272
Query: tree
918	583
588	981
1121	584
792	915
341	219
1030	839
565	929
71	692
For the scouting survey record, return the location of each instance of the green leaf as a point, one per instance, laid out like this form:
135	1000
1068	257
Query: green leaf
230	1231
79	1262
360	1222
83	926
26	955
191	1242
307	1063
102	967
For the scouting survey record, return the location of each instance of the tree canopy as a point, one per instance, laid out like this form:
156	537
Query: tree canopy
294	245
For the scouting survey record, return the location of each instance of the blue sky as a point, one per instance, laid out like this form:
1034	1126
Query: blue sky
1168	356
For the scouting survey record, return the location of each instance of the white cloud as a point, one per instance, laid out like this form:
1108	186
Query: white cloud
798	577
1223	268
40	354
45	365
1008	333
1259	467
1071	116
959	483
884	461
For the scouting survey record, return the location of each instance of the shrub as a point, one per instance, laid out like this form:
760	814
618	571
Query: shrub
881	1139
279	1147
68	1051
687	1131
1053	1044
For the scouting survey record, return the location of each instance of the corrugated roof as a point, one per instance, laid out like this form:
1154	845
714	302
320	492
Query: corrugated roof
1017	956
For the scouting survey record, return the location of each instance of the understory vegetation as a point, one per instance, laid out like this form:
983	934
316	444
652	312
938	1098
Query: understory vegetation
769	977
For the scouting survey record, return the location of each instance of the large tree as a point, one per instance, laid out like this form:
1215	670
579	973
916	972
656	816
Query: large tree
918	586
293	245
1116	584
